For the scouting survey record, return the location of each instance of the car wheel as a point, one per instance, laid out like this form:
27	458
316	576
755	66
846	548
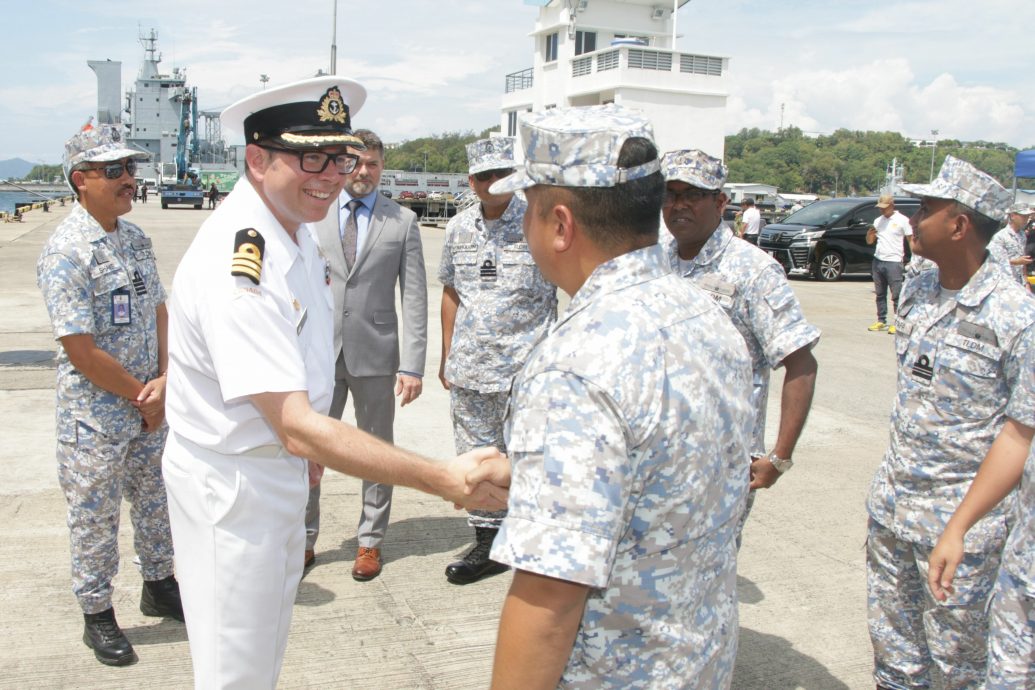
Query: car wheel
831	267
165	205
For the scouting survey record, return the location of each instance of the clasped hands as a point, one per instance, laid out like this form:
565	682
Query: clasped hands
481	480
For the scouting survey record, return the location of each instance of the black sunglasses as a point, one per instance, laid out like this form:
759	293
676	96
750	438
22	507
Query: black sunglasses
317	161
499	173
113	171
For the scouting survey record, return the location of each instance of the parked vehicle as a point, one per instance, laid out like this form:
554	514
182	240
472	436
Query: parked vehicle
387	193
827	238
436	196
420	195
406	194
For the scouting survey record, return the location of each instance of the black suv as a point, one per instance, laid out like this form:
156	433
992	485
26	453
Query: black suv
827	239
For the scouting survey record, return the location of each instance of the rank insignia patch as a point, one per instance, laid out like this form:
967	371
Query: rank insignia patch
248	248
922	368
488	270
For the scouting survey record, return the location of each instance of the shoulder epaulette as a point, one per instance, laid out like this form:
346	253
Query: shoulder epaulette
248	248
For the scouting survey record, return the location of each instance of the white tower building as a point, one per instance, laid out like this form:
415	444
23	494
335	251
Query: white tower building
591	52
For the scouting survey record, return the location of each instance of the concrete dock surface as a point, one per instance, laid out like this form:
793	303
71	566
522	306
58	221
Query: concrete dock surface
801	577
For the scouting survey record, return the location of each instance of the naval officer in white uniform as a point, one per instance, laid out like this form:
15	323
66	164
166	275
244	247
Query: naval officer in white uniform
250	377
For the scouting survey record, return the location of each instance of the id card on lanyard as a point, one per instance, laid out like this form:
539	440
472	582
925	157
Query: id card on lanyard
121	309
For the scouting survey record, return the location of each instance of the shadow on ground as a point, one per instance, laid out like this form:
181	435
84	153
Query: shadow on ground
768	662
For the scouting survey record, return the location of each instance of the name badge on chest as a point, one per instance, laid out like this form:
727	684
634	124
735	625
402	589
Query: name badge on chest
121	314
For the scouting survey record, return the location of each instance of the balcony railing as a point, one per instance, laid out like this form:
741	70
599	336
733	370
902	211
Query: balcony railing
645	59
518	81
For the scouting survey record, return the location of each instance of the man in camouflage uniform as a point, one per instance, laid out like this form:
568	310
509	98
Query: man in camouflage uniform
1009	243
753	290
627	434
496	306
964	344
107	309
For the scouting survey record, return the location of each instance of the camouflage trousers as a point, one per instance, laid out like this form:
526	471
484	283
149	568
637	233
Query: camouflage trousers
909	629
477	422
95	472
1011	636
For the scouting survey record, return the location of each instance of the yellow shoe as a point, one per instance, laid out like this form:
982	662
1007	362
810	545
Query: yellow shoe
878	326
891	330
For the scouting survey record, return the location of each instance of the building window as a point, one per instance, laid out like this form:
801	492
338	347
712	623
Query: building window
512	123
551	48
585	42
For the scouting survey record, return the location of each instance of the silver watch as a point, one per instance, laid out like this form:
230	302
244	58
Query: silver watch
781	464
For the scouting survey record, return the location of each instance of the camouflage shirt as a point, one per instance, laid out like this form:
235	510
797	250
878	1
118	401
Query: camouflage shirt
960	374
1009	244
1019	553
94	283
753	291
505	306
627	433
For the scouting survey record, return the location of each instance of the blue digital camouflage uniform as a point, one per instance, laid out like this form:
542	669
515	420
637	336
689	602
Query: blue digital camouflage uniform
103	453
752	289
1009	244
1011	620
963	368
959	377
627	434
505	308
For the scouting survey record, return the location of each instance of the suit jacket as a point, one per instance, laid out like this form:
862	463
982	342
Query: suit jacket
366	326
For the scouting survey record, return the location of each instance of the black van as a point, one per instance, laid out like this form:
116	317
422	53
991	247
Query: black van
827	239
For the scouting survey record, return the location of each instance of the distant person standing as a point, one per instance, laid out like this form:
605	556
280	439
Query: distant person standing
889	231
372	244
753	290
496	306
751	221
1009	244
143	193
107	309
213	196
965	343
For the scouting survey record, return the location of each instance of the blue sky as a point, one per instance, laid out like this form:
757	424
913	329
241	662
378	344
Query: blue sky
958	66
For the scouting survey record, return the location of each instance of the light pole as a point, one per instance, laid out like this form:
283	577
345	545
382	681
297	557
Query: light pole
934	146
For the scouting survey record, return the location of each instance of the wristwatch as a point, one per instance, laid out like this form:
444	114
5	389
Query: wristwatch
781	464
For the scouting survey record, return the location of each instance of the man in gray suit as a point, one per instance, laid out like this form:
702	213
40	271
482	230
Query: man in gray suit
371	243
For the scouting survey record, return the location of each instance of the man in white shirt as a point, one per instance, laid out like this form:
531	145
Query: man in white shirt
889	231
751	221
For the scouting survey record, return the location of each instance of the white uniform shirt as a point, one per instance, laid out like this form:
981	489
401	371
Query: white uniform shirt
752	219
891	232
230	339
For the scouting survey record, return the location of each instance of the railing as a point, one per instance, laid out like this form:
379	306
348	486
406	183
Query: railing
608	60
518	81
645	59
581	66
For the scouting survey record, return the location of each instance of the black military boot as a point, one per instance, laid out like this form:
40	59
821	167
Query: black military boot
104	636
476	563
162	598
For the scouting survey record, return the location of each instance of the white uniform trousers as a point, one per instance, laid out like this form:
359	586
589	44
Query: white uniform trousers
238	534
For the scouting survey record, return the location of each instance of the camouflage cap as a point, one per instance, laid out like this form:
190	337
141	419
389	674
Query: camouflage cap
98	144
494	153
961	182
578	147
694	167
1022	207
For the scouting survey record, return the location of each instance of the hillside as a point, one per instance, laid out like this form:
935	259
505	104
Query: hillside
15	168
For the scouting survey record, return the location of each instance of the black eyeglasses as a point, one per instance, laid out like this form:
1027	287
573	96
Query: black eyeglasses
113	171
690	196
317	161
498	173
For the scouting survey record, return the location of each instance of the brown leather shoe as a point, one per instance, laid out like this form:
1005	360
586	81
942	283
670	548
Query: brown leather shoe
367	565
310	557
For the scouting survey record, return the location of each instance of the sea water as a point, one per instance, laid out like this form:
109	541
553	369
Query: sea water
8	199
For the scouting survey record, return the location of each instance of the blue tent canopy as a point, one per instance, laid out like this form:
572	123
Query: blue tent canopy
1024	164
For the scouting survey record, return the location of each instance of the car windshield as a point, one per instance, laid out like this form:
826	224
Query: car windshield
821	212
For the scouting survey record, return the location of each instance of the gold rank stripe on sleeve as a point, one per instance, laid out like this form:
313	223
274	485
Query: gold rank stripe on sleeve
248	248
